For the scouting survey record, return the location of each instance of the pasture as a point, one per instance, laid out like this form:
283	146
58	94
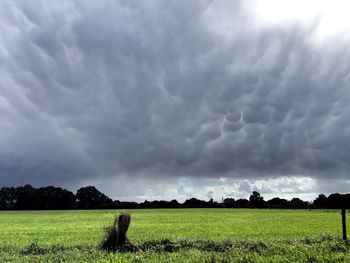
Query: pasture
176	235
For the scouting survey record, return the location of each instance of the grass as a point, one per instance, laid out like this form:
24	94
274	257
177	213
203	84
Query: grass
192	235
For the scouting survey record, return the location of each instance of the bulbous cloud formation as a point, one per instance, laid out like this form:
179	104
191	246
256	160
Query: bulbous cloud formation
160	89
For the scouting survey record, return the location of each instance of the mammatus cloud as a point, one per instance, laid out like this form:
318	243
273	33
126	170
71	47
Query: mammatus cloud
175	93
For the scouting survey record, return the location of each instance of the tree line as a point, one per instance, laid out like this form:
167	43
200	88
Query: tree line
55	198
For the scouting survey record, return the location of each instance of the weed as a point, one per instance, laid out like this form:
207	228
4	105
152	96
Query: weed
34	249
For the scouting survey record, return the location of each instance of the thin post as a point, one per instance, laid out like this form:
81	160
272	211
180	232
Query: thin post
343	220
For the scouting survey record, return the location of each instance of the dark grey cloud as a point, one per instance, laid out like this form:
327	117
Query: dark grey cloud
153	90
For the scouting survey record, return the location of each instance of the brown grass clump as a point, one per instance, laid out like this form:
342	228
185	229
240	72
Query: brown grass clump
116	234
123	226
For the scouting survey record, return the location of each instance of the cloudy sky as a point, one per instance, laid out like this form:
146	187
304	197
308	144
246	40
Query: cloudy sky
174	99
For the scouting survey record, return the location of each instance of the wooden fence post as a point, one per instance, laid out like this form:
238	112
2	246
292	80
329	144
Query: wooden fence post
343	219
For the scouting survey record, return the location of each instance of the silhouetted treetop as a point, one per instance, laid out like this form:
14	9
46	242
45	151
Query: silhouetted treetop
90	198
256	201
50	197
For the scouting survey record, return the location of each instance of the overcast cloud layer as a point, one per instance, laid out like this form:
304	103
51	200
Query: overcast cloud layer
164	99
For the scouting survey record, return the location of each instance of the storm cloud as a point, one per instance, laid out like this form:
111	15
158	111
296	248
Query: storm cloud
158	97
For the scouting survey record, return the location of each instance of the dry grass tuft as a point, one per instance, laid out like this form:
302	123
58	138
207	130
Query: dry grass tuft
115	237
123	226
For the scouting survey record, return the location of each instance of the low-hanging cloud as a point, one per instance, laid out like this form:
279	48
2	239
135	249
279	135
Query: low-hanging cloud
154	89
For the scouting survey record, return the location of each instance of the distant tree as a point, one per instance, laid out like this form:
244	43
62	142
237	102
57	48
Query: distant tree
51	197
242	203
256	201
165	204
336	201
146	204
277	203
27	198
194	203
214	204
321	201
174	203
90	198
229	202
297	203
346	200
128	205
158	204
2	199
8	198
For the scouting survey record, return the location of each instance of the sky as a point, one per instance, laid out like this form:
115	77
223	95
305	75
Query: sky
176	99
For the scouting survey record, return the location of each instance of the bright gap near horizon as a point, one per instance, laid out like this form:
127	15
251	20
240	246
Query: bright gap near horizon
330	17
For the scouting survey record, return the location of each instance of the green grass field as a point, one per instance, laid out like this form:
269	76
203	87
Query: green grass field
196	235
